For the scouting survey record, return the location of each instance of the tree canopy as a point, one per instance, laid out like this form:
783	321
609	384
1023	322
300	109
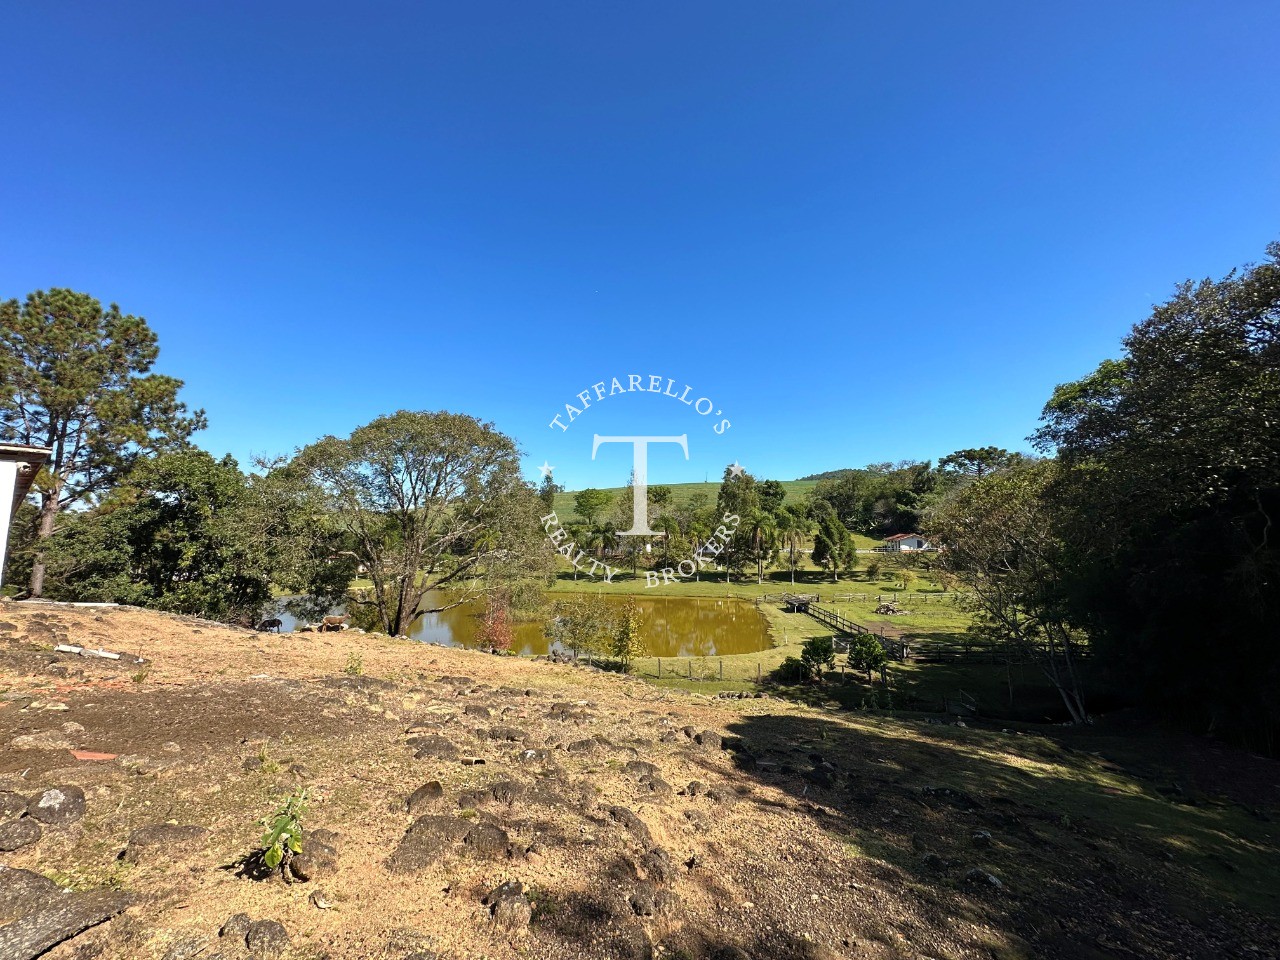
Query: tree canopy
76	379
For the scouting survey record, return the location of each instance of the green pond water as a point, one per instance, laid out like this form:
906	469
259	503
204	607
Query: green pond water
671	627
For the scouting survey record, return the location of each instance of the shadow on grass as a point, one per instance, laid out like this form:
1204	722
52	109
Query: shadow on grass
1090	861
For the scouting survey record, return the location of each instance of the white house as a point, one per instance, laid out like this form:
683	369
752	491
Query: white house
18	467
906	543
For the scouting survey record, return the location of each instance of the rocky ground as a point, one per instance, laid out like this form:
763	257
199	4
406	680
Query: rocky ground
467	806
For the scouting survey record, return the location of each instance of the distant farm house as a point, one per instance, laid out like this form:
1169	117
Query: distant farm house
905	543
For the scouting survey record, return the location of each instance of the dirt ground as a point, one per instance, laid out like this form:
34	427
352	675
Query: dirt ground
641	822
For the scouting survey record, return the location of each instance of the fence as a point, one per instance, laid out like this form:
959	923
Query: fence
914	598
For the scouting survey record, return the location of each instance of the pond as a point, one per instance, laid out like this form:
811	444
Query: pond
671	627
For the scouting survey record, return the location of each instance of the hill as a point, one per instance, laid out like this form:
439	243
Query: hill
467	805
683	493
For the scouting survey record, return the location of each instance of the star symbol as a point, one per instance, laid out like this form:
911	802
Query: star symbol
737	469
546	468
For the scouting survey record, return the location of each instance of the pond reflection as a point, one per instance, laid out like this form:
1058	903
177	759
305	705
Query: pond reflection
671	627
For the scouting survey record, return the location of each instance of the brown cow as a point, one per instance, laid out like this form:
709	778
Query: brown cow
332	624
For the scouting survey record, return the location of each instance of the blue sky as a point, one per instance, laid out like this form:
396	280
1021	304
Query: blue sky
867	231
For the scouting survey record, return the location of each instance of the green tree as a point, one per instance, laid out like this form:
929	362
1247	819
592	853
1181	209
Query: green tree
627	643
906	572
867	653
817	654
547	491
590	503
974	463
184	535
660	496
1000	537
833	548
582	623
772	493
425	501
760	531
76	379
1170	496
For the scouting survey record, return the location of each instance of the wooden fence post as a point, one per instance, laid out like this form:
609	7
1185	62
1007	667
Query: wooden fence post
659	668
691	668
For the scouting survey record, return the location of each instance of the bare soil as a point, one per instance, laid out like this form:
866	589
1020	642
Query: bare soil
811	834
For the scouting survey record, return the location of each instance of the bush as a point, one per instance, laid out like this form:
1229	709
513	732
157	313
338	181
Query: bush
790	670
818	653
866	653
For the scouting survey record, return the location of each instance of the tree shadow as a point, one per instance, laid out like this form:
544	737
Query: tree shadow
1045	846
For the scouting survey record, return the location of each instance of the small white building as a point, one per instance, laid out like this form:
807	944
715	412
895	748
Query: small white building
906	543
19	465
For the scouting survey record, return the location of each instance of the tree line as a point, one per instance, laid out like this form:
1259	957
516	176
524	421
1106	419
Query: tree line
1149	531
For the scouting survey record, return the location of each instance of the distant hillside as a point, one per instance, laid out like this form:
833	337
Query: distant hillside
682	493
827	475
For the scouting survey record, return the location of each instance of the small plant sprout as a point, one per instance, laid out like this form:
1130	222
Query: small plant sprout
355	665
283	837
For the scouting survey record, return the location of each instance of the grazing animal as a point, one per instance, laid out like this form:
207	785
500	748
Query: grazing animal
333	624
271	625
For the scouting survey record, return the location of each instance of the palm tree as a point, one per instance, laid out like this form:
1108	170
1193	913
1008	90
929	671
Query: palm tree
762	534
794	527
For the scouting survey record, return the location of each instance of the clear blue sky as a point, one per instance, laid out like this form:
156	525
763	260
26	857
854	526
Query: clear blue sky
868	231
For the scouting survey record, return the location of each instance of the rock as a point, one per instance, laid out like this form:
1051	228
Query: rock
640	768
267	938
236	927
694	788
508	905
982	838
584	746
634	825
486	840
477	710
12	804
425	841
709	740
433	747
424	797
506	791
70	728
316	861
641	902
657	786
19	834
509	734
161	841
45	740
170	747
58	806
820	778
979	877
658	865
37	916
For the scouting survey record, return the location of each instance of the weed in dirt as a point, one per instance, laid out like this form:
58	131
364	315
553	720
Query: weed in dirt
355	665
283	837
